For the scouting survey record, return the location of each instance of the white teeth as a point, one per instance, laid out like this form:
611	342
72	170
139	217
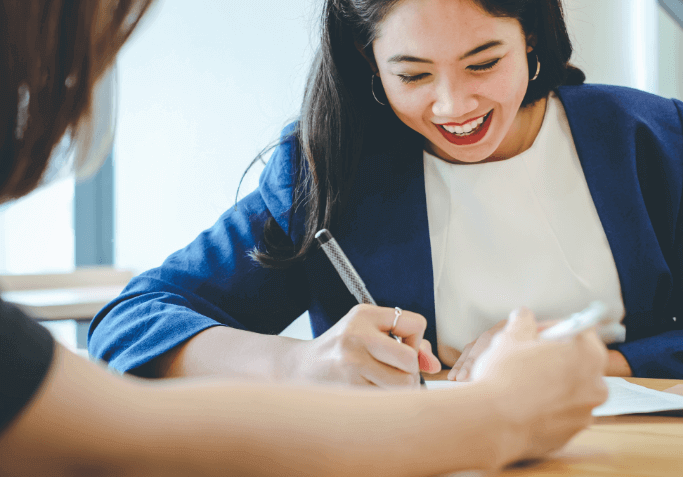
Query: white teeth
466	128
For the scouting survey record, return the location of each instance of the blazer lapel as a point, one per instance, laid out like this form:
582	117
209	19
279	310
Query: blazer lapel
605	141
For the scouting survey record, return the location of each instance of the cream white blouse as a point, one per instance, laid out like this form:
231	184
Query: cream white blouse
522	231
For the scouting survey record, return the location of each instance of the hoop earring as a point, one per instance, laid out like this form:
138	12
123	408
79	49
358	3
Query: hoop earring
372	88
538	69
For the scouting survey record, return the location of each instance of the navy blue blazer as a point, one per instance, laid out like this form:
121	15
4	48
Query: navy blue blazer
630	145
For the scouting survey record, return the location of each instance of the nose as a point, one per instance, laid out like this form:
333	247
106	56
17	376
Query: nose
454	100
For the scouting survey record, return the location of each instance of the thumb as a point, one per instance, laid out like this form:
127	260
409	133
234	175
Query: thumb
428	362
521	325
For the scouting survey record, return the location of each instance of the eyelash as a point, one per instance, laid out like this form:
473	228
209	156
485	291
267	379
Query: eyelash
411	79
485	66
407	79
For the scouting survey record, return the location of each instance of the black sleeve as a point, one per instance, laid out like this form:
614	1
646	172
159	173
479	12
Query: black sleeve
26	350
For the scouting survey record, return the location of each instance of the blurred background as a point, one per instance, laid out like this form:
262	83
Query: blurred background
203	86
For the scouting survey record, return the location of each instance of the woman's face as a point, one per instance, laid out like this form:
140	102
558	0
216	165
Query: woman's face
456	75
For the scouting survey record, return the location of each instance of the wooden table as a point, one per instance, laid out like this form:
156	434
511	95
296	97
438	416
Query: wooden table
617	446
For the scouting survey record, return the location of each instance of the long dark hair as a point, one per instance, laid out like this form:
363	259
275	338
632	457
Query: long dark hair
52	52
339	111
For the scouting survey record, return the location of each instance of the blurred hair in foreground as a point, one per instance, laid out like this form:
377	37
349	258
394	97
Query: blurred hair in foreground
52	52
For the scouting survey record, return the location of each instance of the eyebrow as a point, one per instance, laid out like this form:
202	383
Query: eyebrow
472	52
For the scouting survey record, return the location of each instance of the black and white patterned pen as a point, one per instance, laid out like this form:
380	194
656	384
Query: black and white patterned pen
348	274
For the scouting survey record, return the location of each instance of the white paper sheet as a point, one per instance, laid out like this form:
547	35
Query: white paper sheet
629	398
624	398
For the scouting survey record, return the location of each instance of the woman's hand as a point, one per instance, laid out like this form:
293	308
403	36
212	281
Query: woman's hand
546	389
616	365
358	350
462	367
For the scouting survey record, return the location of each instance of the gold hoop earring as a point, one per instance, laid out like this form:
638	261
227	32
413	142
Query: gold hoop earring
538	69
372	88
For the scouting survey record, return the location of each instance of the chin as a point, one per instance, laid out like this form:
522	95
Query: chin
469	154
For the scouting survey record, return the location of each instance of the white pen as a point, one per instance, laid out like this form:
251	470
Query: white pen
348	274
591	316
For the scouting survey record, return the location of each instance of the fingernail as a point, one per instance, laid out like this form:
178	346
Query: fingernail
451	375
422	361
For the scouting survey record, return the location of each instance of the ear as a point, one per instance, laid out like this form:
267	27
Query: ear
531	42
369	57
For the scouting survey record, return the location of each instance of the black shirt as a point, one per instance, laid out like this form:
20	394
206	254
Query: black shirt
26	350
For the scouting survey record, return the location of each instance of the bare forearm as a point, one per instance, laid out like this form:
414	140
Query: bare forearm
231	353
242	429
87	421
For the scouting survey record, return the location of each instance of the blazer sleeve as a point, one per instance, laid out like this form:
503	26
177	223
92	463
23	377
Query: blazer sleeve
661	355
211	282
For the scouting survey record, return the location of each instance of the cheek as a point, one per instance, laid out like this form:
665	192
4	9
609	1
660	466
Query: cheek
506	89
512	83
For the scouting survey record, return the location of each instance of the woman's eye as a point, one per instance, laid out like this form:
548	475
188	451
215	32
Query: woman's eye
485	66
412	79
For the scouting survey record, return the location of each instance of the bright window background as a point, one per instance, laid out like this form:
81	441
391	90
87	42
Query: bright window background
36	232
204	86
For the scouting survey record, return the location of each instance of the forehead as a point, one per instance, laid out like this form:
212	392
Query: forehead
418	26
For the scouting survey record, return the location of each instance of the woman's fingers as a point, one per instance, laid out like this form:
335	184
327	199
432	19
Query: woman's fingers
545	324
380	374
410	327
393	354
479	347
428	362
461	369
521	325
461	360
377	357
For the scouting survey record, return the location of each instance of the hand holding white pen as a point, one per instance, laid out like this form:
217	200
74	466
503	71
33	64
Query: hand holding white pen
560	330
549	387
576	323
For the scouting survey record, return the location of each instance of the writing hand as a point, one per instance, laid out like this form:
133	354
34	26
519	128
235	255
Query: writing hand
358	350
546	389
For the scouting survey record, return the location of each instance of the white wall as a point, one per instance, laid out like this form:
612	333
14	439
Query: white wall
670	57
615	41
36	231
204	85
